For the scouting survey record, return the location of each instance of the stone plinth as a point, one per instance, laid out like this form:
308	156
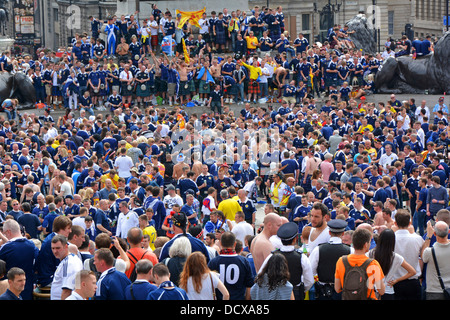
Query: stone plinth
6	44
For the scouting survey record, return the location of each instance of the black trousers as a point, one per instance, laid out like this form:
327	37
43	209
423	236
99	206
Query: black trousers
409	289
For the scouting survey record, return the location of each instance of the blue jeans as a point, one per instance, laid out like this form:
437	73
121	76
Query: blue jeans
291	51
264	87
11	114
90	111
419	221
240	88
233	37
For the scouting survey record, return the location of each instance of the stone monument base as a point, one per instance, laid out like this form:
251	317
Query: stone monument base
6	44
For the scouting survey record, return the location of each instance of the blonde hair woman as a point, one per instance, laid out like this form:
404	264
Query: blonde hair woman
89	193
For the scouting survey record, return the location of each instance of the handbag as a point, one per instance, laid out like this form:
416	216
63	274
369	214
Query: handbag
445	290
212	286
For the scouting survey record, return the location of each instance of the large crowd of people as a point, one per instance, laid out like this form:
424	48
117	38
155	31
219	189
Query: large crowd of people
154	200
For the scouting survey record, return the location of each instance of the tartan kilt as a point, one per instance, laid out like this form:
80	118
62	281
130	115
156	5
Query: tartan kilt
252	89
201	89
183	91
154	41
221	37
142	93
125	92
192	85
93	93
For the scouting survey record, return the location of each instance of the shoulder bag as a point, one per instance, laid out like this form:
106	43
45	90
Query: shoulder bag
445	290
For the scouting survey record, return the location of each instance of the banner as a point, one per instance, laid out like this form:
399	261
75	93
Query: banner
23	12
186	54
191	16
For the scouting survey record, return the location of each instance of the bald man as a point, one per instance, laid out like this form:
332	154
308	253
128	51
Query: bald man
275	239
369	228
261	245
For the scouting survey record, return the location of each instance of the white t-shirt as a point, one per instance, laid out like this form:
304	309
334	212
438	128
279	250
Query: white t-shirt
386	160
204	26
162	22
153	26
169	201
396	264
323	237
263	78
212	205
124	75
66	188
206	292
242	229
125	222
408	246
64	277
145	31
79	221
270	68
124	165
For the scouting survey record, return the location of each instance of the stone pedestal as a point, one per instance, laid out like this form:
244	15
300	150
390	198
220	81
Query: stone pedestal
6	44
126	7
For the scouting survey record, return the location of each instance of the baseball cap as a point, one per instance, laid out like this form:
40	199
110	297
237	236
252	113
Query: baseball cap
170	187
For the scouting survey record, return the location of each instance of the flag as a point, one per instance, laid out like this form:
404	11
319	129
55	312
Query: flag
311	75
186	54
181	120
192	16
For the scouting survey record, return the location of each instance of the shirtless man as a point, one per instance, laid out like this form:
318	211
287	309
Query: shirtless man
196	165
183	71
157	63
261	245
319	232
279	76
122	49
312	164
208	69
216	69
178	170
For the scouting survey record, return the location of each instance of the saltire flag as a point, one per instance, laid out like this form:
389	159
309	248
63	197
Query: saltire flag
186	54
192	16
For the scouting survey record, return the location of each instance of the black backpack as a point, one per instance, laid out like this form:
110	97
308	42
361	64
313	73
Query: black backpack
133	274
355	280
